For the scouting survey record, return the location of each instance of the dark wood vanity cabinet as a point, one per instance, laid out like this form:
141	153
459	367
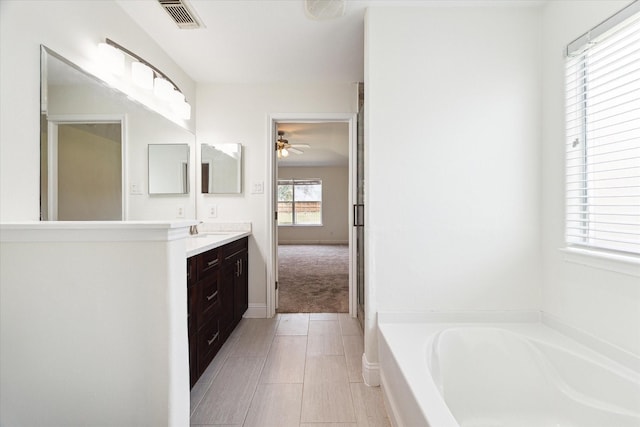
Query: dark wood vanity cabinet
217	297
235	281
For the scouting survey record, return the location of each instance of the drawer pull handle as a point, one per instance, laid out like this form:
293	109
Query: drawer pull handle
215	337
212	296
212	263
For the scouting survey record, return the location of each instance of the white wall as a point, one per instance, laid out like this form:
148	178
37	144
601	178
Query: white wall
106	345
238	113
73	29
597	301
453	204
335	207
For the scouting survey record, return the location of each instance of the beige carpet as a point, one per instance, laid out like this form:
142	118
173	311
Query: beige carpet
313	278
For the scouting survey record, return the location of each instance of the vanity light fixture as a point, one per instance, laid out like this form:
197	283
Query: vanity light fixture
111	58
162	88
142	75
146	76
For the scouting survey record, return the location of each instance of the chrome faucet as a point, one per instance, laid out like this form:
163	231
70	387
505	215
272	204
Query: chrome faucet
193	229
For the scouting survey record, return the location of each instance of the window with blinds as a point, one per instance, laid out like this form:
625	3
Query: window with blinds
299	202
603	136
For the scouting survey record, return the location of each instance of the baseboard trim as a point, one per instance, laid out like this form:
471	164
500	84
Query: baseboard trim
370	372
313	242
256	311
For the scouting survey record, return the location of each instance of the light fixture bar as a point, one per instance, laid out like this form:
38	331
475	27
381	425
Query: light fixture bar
139	59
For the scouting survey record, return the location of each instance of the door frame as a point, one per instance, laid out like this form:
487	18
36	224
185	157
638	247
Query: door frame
53	121
271	192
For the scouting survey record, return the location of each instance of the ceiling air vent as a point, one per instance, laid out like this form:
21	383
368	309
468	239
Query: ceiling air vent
181	14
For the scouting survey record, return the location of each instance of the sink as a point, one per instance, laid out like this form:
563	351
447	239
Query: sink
210	234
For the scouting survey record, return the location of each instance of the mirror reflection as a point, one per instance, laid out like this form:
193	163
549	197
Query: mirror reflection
221	168
168	169
94	151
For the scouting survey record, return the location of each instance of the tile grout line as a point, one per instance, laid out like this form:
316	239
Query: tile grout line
304	370
204	393
264	362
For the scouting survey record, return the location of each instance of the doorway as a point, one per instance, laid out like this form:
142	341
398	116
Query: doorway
312	223
81	171
348	122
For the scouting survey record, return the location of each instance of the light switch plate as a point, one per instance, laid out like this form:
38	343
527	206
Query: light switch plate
258	187
134	188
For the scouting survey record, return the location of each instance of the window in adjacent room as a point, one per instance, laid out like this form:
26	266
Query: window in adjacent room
603	136
299	202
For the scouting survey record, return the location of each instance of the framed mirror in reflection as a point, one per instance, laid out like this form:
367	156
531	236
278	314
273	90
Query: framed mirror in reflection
168	169
221	166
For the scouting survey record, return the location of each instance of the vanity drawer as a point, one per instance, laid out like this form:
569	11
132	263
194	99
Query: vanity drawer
208	263
209	339
210	297
234	248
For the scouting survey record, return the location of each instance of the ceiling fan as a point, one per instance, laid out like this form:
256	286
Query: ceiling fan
283	147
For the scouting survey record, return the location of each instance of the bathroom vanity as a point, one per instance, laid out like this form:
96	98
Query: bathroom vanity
217	293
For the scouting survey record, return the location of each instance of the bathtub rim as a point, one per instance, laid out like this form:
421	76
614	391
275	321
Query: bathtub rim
409	356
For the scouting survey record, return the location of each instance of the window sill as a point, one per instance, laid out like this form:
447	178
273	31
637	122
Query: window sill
628	265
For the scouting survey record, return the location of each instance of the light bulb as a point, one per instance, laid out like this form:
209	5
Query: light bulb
185	110
142	75
176	98
162	88
285	153
111	58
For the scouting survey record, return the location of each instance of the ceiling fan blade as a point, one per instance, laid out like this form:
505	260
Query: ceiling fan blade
293	150
301	145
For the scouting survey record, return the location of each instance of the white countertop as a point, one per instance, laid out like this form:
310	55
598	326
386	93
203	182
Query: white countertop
211	235
205	241
97	231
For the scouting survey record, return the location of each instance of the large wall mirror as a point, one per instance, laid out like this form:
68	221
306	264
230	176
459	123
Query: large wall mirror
221	168
94	151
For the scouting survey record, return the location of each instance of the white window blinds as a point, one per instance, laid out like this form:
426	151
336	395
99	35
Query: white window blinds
603	136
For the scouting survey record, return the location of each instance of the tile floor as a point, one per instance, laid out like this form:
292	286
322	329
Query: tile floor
298	370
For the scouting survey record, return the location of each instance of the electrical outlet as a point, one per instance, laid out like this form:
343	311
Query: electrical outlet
213	211
134	189
180	212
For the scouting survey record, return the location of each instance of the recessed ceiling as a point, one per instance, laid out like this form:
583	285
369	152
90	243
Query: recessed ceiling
328	144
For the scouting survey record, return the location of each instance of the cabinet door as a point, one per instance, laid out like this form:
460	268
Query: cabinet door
241	291
227	285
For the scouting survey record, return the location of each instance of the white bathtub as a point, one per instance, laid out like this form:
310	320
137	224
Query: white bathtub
516	374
